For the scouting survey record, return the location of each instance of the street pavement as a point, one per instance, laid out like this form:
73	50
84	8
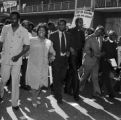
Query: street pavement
87	108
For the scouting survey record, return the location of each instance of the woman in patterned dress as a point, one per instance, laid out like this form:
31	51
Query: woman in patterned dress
41	51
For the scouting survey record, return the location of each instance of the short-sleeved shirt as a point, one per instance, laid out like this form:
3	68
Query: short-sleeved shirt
13	43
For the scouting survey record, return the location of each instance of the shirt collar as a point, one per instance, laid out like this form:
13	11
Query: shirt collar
110	40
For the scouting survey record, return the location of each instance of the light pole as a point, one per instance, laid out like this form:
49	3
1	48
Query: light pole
92	5
75	5
19	5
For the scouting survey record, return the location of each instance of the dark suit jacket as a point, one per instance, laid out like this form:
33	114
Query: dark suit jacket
54	37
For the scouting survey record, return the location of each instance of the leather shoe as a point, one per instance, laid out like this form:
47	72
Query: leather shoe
111	96
15	107
1	99
26	87
76	98
97	95
60	102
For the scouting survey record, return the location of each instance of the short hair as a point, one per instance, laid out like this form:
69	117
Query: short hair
34	29
24	22
112	33
100	27
42	25
62	20
90	31
15	13
7	21
77	20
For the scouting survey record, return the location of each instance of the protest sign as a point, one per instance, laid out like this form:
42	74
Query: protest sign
86	15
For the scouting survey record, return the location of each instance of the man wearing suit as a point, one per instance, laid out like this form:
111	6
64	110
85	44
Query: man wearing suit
92	54
75	59
60	39
110	52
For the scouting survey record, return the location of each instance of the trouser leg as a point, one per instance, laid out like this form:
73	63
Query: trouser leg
84	77
75	78
15	73
59	74
95	81
23	72
5	74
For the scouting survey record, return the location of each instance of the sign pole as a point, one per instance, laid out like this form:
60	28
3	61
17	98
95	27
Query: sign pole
19	5
75	5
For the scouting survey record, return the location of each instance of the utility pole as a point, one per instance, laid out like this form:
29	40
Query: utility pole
19	5
92	5
76	5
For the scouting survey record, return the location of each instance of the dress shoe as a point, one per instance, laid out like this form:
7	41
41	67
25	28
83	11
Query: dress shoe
97	95
15	107
68	92
1	99
111	96
26	87
60	102
76	98
34	105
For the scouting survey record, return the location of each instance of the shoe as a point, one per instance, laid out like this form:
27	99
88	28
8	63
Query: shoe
26	87
68	92
60	102
34	105
1	99
76	98
111	96
97	95
15	107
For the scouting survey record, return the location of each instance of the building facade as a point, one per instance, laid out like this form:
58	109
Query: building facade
106	12
49	10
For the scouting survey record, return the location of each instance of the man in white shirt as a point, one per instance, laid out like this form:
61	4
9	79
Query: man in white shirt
15	43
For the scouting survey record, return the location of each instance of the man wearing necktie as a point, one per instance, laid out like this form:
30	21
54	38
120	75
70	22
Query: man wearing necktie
63	44
60	39
92	54
109	48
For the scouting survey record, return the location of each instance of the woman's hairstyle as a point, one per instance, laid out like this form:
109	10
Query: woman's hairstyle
42	25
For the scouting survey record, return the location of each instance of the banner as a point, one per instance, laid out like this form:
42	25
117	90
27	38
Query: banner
86	15
9	4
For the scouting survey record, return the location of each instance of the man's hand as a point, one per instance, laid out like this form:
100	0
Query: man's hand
67	53
73	52
51	59
15	58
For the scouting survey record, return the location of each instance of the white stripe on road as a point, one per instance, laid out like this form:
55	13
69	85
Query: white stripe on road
119	99
11	113
98	106
57	109
81	109
25	115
